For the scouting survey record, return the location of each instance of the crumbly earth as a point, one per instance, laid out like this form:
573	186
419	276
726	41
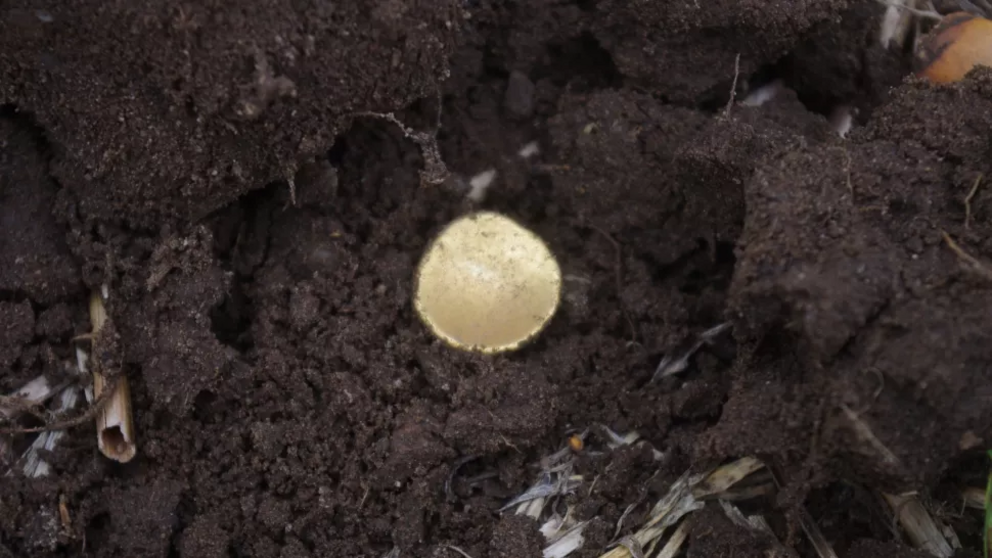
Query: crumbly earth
257	238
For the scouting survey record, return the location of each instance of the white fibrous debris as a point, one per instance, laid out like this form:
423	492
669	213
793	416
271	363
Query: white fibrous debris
82	368
842	120
569	543
34	466
35	391
890	23
529	150
763	94
478	185
896	23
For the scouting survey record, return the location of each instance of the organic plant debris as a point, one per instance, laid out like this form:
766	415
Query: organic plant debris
217	166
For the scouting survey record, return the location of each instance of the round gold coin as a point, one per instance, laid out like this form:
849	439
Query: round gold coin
487	284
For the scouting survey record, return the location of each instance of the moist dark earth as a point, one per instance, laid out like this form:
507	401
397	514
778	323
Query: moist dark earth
220	168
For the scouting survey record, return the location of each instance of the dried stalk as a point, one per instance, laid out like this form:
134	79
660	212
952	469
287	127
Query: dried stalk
920	527
813	533
114	425
566	544
974	497
726	476
674	543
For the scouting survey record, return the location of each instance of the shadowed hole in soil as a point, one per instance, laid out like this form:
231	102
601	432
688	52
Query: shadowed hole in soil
241	243
582	63
97	529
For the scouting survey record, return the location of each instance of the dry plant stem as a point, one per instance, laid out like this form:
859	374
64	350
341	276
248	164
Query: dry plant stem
733	87
675	505
920	527
114	425
973	263
456	549
726	476
865	433
974	497
64	517
683	498
967	201
633	547
748	493
812	530
675	362
567	543
675	542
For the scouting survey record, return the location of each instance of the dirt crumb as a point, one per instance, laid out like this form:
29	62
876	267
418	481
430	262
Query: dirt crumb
501	408
203	538
144	519
17	330
34	256
712	533
515	535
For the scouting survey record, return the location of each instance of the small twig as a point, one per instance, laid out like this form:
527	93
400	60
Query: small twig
676	361
972	261
618	269
733	87
64	516
967	201
626	512
365	496
865	433
456	549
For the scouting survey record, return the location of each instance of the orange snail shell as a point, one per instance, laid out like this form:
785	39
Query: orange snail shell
957	44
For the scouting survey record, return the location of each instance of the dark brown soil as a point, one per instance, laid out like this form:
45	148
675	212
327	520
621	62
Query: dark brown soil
207	162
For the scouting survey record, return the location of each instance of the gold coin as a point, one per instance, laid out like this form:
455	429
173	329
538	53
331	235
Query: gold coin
487	284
